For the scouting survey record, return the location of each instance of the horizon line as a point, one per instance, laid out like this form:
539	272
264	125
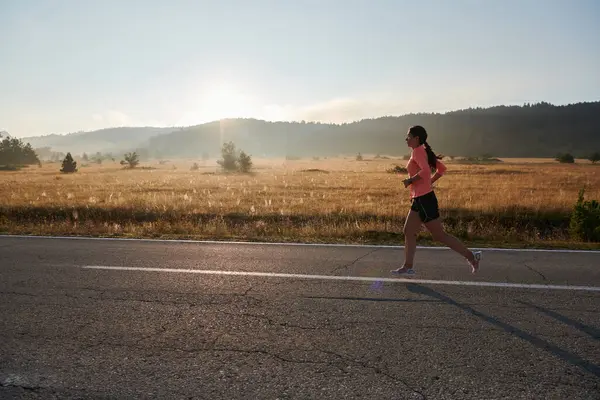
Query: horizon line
292	121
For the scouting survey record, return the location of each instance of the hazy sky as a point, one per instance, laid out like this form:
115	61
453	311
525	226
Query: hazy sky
70	65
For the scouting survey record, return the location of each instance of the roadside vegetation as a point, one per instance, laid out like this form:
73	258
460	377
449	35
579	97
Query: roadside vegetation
525	203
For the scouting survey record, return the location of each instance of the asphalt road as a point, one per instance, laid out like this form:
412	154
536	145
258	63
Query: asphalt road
71	329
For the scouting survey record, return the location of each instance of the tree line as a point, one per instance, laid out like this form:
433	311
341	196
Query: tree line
531	130
15	154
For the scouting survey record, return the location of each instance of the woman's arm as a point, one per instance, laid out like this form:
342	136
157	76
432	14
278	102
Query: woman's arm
440	169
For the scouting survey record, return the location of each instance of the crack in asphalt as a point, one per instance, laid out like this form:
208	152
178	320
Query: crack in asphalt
24	387
211	348
350	324
376	369
271	321
353	262
258	300
536	271
25	294
169	302
102	297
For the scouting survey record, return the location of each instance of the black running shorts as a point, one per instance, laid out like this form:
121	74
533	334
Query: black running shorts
426	206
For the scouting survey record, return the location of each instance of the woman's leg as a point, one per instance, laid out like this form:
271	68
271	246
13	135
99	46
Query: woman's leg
438	233
412	226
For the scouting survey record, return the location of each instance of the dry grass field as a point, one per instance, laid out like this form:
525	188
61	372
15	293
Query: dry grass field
518	202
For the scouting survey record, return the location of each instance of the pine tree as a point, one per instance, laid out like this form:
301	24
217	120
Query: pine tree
68	165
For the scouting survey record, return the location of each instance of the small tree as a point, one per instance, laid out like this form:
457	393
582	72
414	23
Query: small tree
68	165
131	160
245	162
359	157
85	157
232	160
594	157
229	161
195	167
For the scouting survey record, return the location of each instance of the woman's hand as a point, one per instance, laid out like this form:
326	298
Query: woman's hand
407	182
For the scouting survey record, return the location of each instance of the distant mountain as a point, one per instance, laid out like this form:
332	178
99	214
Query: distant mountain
104	140
531	130
539	130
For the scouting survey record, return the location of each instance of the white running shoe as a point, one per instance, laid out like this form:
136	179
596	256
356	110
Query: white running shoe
403	271
475	265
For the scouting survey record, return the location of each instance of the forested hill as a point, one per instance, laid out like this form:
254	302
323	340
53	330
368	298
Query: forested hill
539	130
103	140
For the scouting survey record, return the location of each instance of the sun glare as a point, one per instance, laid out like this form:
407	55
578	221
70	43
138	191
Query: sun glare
226	100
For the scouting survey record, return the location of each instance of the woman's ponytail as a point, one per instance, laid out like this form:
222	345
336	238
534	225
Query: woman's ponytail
431	156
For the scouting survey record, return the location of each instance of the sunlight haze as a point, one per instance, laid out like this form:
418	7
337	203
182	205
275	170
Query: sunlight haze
70	66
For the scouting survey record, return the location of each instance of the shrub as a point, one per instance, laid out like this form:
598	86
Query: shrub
565	158
397	170
131	160
245	162
585	220
484	159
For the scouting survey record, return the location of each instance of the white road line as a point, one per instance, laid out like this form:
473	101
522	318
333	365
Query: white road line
225	242
349	278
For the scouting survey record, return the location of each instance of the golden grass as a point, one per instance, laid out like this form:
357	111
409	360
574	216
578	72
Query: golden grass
328	200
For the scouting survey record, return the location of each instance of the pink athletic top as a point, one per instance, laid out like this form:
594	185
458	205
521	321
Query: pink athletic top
418	165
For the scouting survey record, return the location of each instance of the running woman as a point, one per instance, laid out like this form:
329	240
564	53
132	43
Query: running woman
424	209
